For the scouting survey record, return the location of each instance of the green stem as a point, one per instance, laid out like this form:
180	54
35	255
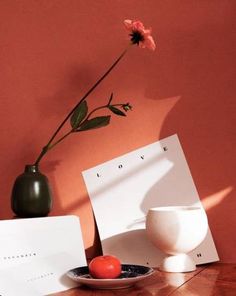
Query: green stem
71	131
98	108
46	147
59	140
94	110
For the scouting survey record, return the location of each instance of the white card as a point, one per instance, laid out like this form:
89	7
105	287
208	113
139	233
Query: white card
123	189
36	253
42	276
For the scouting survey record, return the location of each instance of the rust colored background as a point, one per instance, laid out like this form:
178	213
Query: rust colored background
51	52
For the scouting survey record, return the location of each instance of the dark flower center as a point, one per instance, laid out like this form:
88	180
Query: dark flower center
136	37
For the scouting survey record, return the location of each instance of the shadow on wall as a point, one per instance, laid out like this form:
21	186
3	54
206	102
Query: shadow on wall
199	65
76	78
202	70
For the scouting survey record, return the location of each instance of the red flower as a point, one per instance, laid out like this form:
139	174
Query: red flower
79	116
139	35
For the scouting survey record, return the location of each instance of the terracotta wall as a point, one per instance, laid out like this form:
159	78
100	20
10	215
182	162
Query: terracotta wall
51	52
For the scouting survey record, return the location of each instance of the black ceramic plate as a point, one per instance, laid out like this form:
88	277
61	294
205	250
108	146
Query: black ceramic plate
130	275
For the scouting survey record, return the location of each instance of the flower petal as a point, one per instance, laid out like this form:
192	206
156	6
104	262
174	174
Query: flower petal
128	25
138	26
149	43
139	35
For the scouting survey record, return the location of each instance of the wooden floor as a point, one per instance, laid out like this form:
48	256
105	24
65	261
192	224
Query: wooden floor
215	279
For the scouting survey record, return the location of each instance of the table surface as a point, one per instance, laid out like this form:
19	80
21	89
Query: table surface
208	280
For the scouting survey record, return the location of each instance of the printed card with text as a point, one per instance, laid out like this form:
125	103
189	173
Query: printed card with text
123	189
36	253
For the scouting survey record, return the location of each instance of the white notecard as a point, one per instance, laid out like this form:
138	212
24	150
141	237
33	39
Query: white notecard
123	189
42	276
36	253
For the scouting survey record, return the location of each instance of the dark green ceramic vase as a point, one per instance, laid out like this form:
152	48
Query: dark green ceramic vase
31	194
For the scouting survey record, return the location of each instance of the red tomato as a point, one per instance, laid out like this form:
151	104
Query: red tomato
105	267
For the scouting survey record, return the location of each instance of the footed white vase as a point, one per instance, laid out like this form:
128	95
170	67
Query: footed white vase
176	231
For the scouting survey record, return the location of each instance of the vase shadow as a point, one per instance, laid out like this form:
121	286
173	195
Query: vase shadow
205	117
133	247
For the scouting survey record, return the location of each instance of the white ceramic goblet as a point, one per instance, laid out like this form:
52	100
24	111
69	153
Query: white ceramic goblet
176	231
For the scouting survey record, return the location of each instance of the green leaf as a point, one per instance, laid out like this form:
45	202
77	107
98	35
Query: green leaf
79	114
95	122
116	111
